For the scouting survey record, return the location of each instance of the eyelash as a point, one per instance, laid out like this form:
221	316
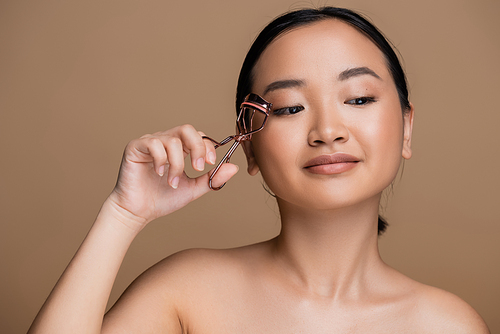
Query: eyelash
359	101
364	100
288	110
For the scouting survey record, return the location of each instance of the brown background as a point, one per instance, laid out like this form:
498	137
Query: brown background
79	79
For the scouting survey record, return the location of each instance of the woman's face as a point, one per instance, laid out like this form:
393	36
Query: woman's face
336	134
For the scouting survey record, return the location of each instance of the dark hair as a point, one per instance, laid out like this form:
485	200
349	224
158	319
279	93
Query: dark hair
298	18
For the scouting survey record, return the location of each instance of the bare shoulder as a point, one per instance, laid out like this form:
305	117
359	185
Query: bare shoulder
191	271
161	298
439	311
194	266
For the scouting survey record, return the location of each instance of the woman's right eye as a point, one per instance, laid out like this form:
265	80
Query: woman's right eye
288	110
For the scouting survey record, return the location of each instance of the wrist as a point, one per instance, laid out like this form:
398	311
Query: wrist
111	210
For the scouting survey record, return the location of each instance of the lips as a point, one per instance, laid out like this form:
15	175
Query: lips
331	164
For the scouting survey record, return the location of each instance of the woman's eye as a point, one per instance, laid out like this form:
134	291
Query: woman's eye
359	101
288	110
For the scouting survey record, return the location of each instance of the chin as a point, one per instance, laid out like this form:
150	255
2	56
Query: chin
328	198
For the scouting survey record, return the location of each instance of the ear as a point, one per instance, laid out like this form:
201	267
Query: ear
253	167
408	128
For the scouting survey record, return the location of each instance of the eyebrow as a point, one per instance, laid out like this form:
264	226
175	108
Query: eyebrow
344	75
281	84
357	71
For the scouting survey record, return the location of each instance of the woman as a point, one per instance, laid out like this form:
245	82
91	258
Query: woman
339	125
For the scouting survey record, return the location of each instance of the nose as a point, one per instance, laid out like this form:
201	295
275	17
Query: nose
327	127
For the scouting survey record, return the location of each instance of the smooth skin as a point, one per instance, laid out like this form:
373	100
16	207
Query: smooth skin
323	273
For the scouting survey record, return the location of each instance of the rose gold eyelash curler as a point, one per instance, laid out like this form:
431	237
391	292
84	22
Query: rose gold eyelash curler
246	126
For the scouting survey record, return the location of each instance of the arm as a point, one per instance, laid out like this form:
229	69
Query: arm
151	184
79	299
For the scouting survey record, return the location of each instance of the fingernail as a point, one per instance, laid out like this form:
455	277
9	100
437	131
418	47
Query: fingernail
161	170
211	157
200	164
175	182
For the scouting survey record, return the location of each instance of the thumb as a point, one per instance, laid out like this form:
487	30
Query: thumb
225	172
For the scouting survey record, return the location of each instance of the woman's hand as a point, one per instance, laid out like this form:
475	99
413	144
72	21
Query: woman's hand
152	182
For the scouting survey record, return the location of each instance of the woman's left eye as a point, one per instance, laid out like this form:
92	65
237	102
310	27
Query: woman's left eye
288	110
359	101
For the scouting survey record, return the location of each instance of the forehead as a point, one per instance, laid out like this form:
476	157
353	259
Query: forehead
319	50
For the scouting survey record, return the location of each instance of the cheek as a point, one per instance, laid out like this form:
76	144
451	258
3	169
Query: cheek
383	139
275	150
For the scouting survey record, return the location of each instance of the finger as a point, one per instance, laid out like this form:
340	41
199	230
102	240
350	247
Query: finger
201	187
158	153
147	149
194	145
210	154
137	151
175	157
225	172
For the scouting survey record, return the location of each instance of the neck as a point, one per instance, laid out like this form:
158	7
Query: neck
329	253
